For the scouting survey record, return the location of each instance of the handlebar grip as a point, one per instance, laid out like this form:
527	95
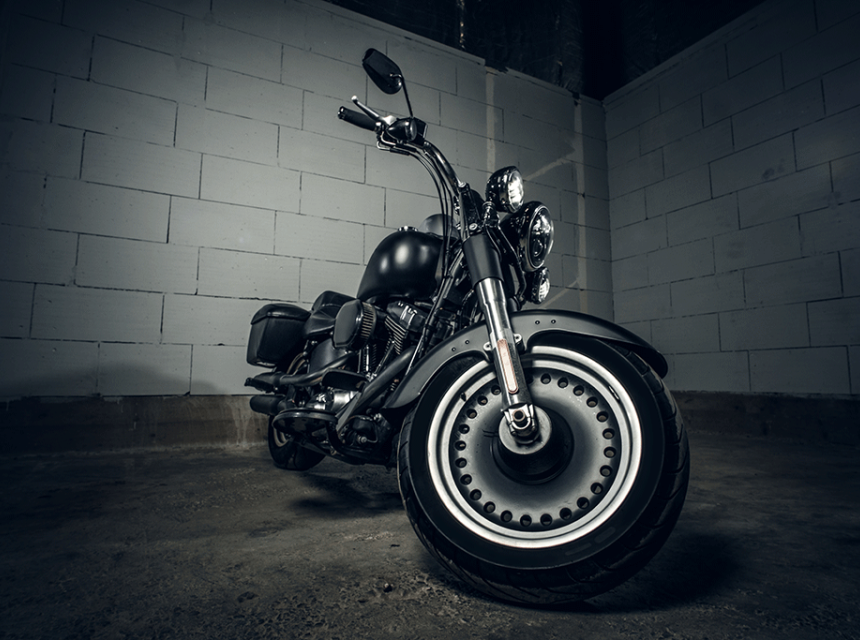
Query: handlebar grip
357	118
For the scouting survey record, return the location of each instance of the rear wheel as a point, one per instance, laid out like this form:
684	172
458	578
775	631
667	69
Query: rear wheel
573	528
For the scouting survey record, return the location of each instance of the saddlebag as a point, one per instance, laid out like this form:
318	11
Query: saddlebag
276	334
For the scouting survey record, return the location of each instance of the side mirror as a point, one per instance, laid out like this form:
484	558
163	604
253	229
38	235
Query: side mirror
383	71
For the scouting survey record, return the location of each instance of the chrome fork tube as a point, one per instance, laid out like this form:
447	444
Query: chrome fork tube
516	398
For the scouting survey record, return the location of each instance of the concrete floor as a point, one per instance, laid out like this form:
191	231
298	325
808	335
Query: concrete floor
218	543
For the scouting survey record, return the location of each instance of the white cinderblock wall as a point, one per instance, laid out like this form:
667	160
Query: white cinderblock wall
734	176
167	166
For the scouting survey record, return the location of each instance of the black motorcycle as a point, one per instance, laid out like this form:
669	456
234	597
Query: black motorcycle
539	455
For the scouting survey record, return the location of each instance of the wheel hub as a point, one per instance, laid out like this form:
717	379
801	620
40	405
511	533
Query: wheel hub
537	459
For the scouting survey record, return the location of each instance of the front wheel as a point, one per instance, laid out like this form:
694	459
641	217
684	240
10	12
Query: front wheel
609	502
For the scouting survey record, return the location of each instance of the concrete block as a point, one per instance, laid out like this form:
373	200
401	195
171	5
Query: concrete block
648	303
220	370
140	165
763	244
623	148
854	364
153	73
21	198
47	367
763	162
74	205
554	140
706	69
829	49
704	220
128	21
640	237
49	10
630	273
596	182
592	243
851	272
834	137
474	81
681	262
200	223
18	306
314	153
43	148
235	274
253	98
742	91
800	371
265	18
710	294
404	209
585	210
95	107
831	12
214	45
342	200
693	334
49	46
195	8
322	75
804	280
786	112
318	276
636	174
627	209
846	185
628	111
833	229
426	64
37	255
711	372
223	134
698	149
841	89
476	152
677	192
97	315
779	327
641	329
672	124
249	184
473	117
207	320
144	369
391	170
27	93
594	303
343	36
835	322
372	237
584	273
593	118
775	29
117	263
523	95
318	238
799	192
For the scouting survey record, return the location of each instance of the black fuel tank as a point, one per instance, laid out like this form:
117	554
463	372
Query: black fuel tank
404	264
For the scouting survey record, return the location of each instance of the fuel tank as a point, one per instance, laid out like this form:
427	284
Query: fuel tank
404	264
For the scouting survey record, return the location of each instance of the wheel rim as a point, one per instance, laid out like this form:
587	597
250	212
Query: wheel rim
580	395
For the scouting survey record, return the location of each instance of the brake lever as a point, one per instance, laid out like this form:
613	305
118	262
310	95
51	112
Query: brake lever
370	112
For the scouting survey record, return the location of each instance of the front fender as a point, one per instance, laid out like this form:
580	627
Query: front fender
469	343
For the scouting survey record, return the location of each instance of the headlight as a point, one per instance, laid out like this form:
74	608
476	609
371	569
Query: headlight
538	286
531	231
505	189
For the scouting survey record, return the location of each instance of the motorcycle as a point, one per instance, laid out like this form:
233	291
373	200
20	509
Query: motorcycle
539	455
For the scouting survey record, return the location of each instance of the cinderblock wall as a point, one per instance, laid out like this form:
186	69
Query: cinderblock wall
734	176
167	166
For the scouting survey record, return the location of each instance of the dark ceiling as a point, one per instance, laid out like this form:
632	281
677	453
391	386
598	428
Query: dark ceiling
592	47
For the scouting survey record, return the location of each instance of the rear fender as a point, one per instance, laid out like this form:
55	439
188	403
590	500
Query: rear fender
534	327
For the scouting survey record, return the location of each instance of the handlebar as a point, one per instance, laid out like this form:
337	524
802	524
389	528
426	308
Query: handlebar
357	118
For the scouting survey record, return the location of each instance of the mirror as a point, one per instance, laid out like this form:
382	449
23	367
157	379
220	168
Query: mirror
383	71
